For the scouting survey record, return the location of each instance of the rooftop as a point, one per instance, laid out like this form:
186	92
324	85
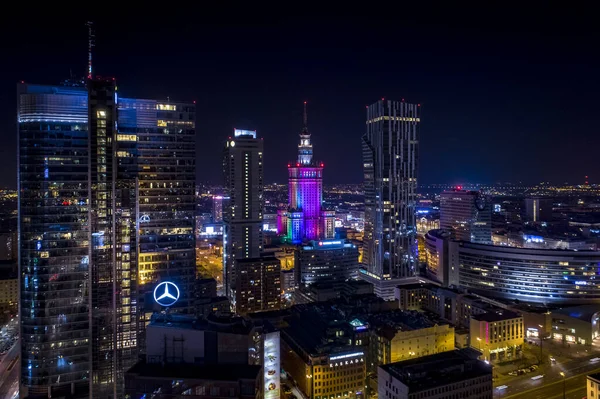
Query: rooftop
584	312
496	316
226	323
219	372
405	320
595	376
437	370
416	286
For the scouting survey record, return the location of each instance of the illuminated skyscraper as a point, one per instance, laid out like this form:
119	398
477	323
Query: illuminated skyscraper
243	211
113	261
390	157
54	230
305	219
92	167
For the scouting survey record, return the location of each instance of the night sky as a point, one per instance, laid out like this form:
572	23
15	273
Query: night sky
501	100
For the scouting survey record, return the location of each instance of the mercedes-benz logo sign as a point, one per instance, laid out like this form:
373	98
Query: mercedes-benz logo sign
166	293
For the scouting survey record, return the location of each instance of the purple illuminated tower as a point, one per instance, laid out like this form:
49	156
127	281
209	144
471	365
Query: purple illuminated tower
304	219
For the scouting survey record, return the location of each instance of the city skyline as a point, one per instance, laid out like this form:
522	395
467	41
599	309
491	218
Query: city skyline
474	97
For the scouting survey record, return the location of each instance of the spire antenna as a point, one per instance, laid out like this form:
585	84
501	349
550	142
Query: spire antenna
91	36
305	118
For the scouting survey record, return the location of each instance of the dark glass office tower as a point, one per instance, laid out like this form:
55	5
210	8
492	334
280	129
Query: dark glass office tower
113	173
390	157
243	213
54	229
165	134
94	199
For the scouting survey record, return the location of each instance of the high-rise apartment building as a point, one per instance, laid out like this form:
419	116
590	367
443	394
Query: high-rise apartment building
304	218
243	213
390	161
104	184
467	215
258	284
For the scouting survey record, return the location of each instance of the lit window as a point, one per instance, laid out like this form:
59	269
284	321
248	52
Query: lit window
166	107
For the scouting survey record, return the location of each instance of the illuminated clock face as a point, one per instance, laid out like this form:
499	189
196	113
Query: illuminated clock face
480	202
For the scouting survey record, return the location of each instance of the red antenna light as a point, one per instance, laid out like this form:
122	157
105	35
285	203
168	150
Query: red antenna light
382	99
289	165
22	81
322	164
402	100
418	105
194	101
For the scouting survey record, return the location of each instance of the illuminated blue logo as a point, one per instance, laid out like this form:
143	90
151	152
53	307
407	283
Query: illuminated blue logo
166	294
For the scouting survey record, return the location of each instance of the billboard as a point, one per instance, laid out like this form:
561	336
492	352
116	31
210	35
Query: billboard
271	366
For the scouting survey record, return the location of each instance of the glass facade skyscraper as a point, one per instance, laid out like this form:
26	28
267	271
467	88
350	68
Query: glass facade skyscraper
105	185
165	137
54	228
390	158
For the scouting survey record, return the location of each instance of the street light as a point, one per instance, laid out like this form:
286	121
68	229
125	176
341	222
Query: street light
541	343
563	376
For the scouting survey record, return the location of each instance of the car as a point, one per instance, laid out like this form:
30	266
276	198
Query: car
552	359
512	373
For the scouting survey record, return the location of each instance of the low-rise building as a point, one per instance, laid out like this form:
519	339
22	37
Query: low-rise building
497	335
211	340
324	353
182	381
593	386
206	306
455	374
9	293
401	335
576	325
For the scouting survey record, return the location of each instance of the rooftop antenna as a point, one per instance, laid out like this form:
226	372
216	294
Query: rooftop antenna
305	119
91	36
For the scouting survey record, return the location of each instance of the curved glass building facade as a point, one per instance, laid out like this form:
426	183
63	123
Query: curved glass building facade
54	232
529	275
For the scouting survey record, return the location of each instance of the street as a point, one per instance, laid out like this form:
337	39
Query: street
9	373
551	385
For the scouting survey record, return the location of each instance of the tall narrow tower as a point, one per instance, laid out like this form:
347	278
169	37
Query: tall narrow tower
305	218
243	211
390	159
